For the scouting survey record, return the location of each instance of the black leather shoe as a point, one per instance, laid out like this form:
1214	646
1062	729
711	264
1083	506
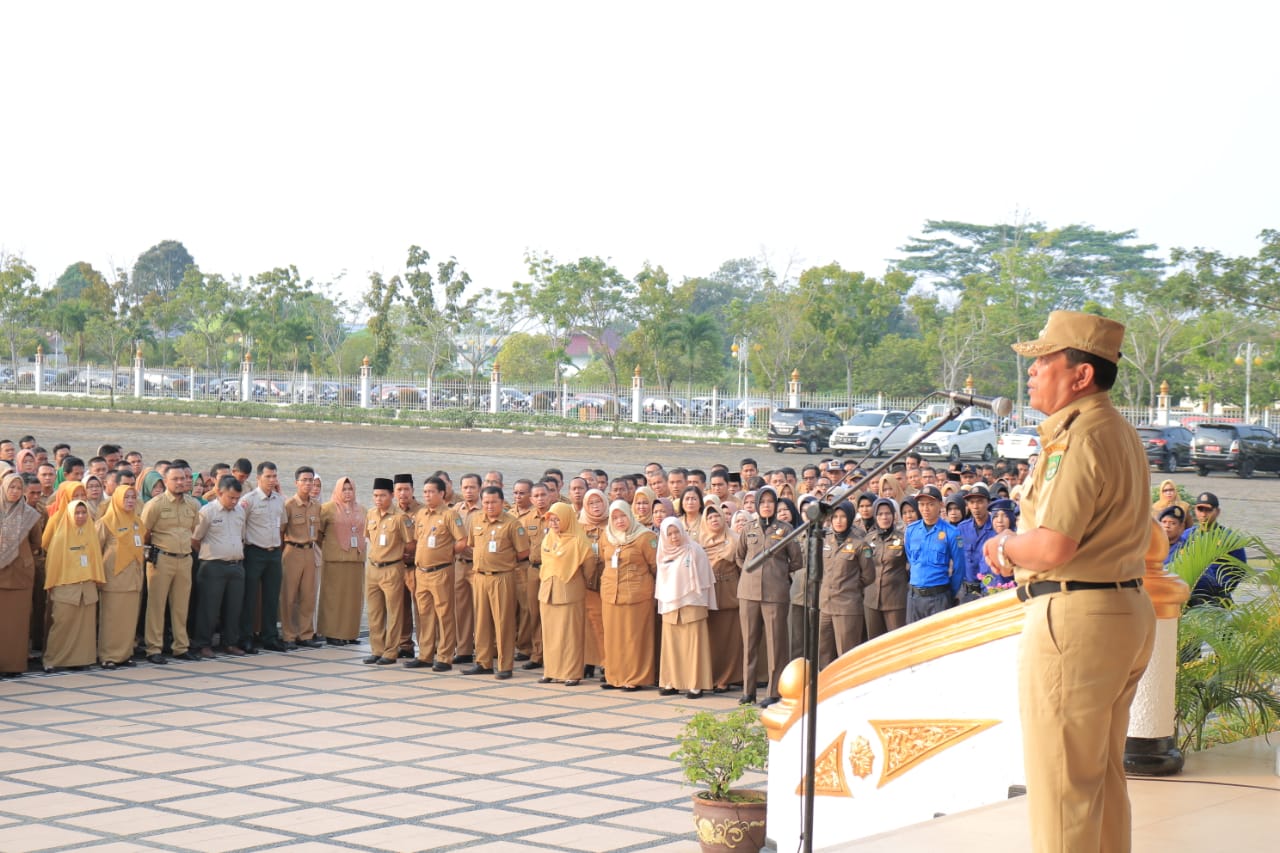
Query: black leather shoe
386	661
250	649
187	655
371	659
441	667
632	689
158	660
545	680
464	659
275	646
533	664
313	643
719	689
290	646
765	703
502	674
747	699
572	682
589	671
521	656
415	664
476	669
406	653
604	685
331	641
693	694
668	691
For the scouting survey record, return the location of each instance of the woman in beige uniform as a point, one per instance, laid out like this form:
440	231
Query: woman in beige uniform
722	624
120	537
342	573
19	540
594	518
73	573
884	560
628	552
686	591
567	558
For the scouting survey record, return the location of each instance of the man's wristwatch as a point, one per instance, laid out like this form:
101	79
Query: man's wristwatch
1004	561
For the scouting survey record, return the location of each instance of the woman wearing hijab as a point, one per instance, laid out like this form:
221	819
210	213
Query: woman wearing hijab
19	542
120	537
842	621
909	511
72	575
662	509
722	623
567	558
93	495
642	506
152	485
628	553
1167	497
342	524
594	518
25	461
686	590
891	488
865	521
789	513
62	498
764	592
691	506
884	564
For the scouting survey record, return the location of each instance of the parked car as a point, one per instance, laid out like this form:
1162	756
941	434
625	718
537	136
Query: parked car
1167	446
1242	448
966	436
874	431
810	429
1022	443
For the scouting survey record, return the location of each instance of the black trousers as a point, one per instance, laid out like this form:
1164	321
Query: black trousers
221	593
263	575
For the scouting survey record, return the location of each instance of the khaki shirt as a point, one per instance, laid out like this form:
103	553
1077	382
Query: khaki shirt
465	514
301	521
497	545
387	535
435	533
220	532
263	518
770	581
170	522
629	570
532	522
1092	485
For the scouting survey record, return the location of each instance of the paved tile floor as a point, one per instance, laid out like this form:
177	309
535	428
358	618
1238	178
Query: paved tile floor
313	751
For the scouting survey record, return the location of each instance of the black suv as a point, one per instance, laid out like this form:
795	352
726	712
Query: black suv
807	428
1167	446
1242	448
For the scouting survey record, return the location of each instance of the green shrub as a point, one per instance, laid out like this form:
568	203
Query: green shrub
717	751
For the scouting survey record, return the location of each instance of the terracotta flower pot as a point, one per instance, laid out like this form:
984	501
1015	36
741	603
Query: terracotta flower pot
729	825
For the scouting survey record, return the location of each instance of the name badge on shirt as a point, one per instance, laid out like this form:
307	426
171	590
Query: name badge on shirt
615	559
312	528
354	543
137	540
382	540
431	541
493	546
84	561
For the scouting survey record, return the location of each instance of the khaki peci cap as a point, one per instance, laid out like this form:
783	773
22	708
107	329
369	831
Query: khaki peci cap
1075	330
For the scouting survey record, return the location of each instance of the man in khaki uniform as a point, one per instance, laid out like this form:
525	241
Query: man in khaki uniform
464	612
383	574
499	544
298	589
436	538
1079	564
407	505
170	520
528	619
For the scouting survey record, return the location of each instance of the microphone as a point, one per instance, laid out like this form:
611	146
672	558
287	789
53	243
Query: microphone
1002	406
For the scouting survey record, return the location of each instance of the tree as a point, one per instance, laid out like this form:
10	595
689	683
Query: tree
159	270
201	305
379	299
1239	282
435	306
18	303
851	312
529	359
696	340
116	330
780	333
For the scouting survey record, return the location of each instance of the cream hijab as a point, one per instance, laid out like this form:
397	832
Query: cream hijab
564	550
635	529
16	520
684	572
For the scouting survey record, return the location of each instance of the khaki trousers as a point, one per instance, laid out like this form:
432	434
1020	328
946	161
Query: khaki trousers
464	608
770	619
529	632
495	620
168	583
383	593
1079	664
298	594
433	601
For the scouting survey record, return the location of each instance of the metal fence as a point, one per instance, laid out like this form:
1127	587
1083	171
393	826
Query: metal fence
699	406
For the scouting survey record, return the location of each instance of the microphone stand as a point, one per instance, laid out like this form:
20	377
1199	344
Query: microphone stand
816	513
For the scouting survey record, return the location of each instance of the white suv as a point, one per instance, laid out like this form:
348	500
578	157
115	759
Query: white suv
868	432
967	436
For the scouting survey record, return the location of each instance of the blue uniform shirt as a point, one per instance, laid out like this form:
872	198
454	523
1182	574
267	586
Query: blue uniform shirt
973	538
935	554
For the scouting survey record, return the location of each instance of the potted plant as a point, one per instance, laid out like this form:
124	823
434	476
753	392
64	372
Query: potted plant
716	751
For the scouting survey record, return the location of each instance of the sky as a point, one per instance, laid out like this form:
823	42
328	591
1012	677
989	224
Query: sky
332	136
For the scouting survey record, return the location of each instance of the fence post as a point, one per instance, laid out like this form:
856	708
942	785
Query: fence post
715	405
793	390
39	375
495	380
191	388
637	392
246	378
364	383
138	383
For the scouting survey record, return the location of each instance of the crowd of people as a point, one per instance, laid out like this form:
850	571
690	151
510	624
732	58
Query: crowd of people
682	579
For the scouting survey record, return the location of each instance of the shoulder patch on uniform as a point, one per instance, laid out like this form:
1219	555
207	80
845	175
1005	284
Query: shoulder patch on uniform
1051	465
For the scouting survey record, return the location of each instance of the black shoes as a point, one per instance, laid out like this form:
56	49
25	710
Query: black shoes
521	656
187	655
476	669
406	653
533	664
313	643
668	691
275	646
371	659
693	694
386	661
416	663
765	703
747	699
464	659
441	667
502	674
158	660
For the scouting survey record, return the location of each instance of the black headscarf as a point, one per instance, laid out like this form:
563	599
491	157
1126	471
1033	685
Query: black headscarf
846	509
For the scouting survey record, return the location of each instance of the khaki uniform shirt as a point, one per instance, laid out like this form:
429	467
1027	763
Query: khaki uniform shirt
465	514
1092	485
171	522
499	544
843	575
532	522
769	581
263	518
387	535
435	533
629	570
884	558
221	532
301	521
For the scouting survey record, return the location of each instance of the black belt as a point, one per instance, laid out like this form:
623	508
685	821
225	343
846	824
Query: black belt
931	590
171	554
493	573
465	560
1031	590
262	547
384	565
299	544
230	561
972	586
434	568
